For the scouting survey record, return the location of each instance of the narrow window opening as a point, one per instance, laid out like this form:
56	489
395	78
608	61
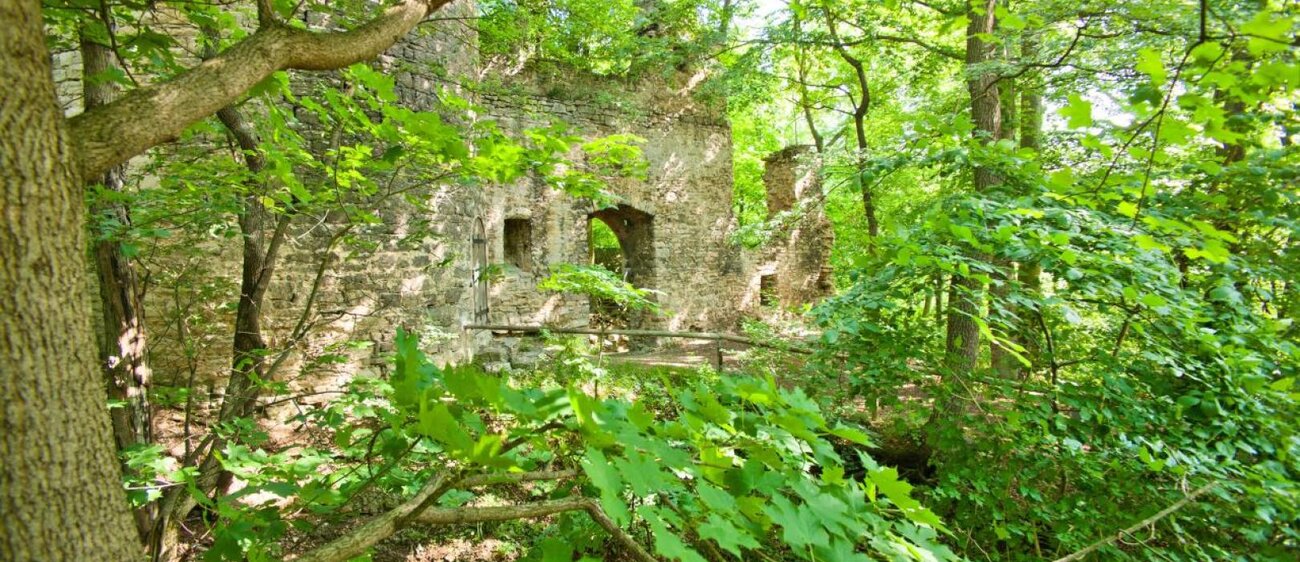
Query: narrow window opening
519	243
479	272
767	290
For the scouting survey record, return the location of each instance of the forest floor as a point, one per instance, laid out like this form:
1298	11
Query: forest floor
689	355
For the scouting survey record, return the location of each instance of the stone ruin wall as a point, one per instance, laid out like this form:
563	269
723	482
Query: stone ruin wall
426	285
793	268
687	193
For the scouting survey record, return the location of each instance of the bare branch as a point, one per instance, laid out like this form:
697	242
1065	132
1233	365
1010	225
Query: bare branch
358	541
470	515
514	478
639	552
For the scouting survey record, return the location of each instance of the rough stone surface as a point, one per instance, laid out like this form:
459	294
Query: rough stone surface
798	260
677	226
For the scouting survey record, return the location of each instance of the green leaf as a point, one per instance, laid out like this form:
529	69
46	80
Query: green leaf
716	499
800	527
852	434
962	232
727	535
841	550
601	472
666	542
436	421
1008	20
606	479
1152	300
1151	64
555	549
641	472
1146	242
899	493
1078	112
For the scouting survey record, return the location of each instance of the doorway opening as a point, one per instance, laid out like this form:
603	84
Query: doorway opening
621	239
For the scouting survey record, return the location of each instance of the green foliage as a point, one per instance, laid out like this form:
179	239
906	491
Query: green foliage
1153	341
596	281
739	463
607	38
1155	219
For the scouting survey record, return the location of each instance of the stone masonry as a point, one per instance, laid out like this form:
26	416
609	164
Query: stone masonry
674	228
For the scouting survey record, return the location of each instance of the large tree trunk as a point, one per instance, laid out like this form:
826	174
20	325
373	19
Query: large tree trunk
60	483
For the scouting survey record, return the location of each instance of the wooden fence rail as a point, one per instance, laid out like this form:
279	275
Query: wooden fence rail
714	336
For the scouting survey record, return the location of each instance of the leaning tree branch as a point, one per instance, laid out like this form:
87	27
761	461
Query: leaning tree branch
419	509
356	543
638	552
113	133
513	478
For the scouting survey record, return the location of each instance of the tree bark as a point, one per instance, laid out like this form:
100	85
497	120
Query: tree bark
123	350
259	259
61	496
60	483
1029	273
801	64
962	344
861	107
1004	363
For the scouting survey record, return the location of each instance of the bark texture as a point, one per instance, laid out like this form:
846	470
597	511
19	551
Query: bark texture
1029	273
1004	363
965	300
60	492
122	350
861	106
259	258
122	347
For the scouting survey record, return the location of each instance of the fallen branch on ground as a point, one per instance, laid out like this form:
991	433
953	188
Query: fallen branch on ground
1141	524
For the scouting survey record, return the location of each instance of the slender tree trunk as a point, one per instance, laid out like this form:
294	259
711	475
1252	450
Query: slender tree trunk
123	352
861	107
249	343
1029	273
964	303
1003	362
939	315
801	63
868	197
60	483
259	261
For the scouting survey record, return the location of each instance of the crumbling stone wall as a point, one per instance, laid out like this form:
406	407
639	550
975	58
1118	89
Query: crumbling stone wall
680	214
681	210
793	268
